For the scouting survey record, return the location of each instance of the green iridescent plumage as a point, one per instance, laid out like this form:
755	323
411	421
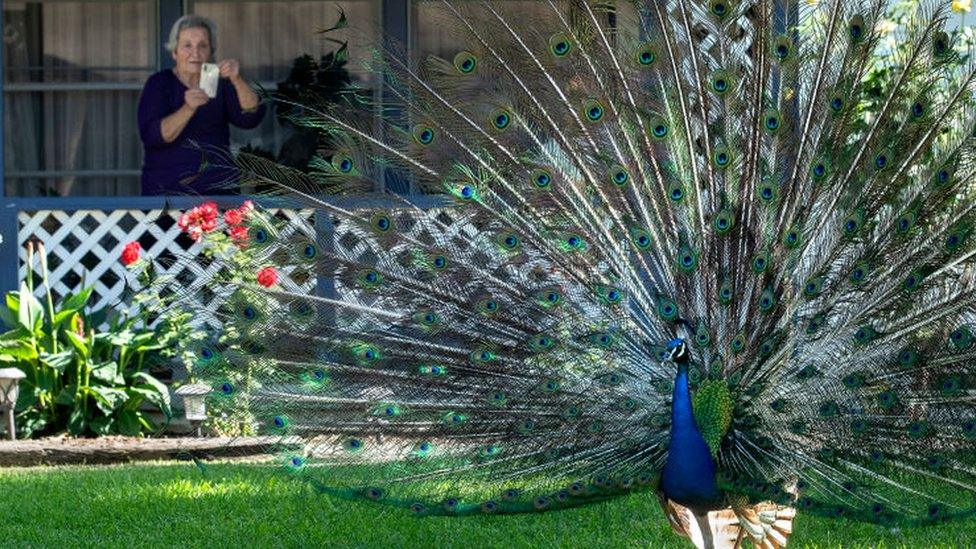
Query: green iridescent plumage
602	178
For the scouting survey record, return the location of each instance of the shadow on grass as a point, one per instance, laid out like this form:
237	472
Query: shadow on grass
177	505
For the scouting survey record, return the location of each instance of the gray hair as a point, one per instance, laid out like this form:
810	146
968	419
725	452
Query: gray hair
192	22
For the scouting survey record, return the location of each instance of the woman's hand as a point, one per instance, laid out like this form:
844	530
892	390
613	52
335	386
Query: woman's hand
230	68
195	98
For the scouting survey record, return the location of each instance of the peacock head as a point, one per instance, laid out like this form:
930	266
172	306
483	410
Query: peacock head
678	351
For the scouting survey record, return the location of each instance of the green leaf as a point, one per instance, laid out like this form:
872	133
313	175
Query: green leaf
127	422
57	361
27	398
77	422
156	392
12	310
76	302
61	316
17	350
108	398
67	395
145	421
121	339
30	313
101	425
8	313
79	343
108	372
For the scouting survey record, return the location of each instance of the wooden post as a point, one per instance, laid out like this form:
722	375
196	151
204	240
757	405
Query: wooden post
11	431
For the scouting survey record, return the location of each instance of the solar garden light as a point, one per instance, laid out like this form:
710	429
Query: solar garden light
194	403
9	379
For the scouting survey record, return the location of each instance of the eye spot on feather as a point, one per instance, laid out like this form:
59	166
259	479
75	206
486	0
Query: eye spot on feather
722	157
645	55
855	29
501	119
918	109
594	111
541	179
880	161
969	429
423	134
560	45
381	223
619	175
962	338
719	8
887	399
465	62
760	263
940	43
819	171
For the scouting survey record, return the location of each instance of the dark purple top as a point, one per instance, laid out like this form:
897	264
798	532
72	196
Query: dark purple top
176	168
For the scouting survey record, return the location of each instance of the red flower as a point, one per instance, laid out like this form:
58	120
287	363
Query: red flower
130	254
185	221
267	277
238	233
200	219
208	210
247	207
233	217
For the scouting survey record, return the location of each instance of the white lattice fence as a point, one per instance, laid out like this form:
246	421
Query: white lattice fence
84	249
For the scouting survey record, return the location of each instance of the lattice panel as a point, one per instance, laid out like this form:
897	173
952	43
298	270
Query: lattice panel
84	248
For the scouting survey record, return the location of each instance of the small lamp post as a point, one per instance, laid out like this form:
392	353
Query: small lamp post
194	403
9	379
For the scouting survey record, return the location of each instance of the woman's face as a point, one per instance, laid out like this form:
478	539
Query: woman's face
192	50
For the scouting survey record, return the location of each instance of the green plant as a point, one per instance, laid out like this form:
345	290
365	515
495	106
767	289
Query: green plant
81	380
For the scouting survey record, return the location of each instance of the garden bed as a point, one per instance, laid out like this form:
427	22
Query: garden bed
120	449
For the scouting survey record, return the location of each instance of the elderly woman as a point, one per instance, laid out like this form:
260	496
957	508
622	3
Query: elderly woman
178	122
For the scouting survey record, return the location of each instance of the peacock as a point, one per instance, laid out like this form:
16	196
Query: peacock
684	247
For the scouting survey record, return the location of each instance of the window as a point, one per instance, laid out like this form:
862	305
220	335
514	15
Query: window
267	36
72	75
73	72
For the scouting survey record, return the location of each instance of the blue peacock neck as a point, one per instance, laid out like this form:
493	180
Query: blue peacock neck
689	472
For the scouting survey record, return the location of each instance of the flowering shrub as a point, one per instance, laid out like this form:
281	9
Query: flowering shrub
231	234
83	380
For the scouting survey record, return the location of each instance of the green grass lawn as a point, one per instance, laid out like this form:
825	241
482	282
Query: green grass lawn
174	505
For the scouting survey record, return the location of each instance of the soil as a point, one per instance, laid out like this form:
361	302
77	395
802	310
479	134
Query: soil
120	449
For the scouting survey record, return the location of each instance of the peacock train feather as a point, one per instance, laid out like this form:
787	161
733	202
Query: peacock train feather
678	246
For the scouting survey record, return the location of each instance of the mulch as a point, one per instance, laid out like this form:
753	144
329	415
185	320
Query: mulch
120	449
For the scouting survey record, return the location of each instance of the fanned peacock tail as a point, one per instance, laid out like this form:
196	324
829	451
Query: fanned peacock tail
614	176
